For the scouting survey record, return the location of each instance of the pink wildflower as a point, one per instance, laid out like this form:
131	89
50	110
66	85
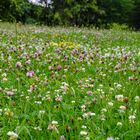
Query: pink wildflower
30	73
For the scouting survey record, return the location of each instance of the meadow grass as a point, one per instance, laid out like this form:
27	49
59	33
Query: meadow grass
69	83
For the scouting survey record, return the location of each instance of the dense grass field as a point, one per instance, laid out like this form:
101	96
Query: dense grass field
69	83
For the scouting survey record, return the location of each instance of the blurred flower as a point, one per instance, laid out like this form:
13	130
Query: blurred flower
65	86
18	65
104	110
58	98
62	137
10	93
53	126
38	102
122	109
28	62
119	98
83	108
110	138
4	75
132	118
110	104
37	128
137	98
12	135
119	124
119	86
131	78
87	138
8	112
83	133
30	73
125	99
41	112
59	67
88	114
54	122
84	127
89	93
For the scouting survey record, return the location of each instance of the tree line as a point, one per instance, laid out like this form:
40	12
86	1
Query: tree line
98	13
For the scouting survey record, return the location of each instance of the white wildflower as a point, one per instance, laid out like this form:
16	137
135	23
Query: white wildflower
132	118
119	98
12	135
83	133
137	98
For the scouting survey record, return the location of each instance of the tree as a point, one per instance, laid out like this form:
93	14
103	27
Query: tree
4	9
101	13
115	11
135	16
12	10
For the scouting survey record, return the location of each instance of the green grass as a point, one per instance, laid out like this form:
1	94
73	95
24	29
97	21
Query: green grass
79	80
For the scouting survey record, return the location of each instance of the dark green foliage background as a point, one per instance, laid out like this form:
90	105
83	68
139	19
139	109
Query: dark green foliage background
99	13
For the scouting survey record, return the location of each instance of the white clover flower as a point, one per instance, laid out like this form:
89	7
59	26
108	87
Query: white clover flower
54	122
73	102
119	86
62	137
27	97
58	98
12	135
101	85
137	98
87	138
132	118
38	102
83	133
10	58
79	118
47	97
104	110
38	128
91	114
119	98
110	104
103	117
104	75
30	47
4	75
8	112
84	127
88	114
122	109
119	124
85	115
53	126
83	108
112	89
4	79
99	90
83	69
41	111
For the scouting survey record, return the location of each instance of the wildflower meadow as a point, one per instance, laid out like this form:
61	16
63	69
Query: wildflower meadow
69	83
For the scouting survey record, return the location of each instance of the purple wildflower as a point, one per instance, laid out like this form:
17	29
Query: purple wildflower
30	73
59	67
